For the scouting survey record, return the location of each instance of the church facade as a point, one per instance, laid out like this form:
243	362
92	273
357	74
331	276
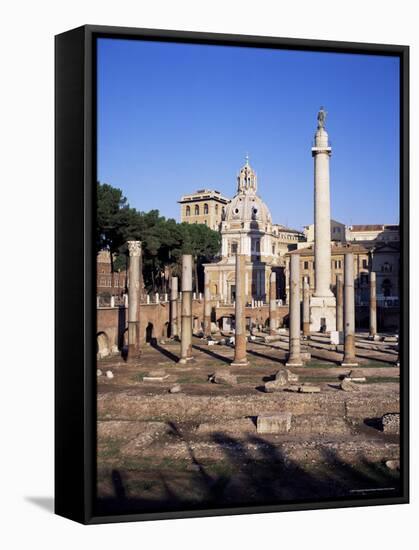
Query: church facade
247	228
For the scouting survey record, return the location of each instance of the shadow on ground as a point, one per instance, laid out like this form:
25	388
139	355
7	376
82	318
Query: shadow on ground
260	476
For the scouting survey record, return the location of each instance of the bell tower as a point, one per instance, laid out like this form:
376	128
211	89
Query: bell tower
247	179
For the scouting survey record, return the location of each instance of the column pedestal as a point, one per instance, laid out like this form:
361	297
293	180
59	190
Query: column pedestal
322	311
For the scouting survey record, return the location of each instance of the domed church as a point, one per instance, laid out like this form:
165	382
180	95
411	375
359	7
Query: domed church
247	228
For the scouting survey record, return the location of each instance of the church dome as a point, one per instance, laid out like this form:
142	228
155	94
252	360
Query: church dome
246	206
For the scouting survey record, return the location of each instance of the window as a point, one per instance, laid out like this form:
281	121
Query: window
234	248
205	208
305	265
216	208
273	250
188	211
196	210
364	278
364	263
338	264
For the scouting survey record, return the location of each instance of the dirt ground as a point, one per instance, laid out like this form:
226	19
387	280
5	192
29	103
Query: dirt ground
200	448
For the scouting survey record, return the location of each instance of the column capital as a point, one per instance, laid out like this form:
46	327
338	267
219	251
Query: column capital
134	248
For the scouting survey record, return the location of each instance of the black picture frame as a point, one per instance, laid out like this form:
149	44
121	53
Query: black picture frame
75	275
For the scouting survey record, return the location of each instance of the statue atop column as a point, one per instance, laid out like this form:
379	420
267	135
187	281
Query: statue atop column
321	118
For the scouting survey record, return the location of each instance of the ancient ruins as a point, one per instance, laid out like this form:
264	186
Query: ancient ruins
254	391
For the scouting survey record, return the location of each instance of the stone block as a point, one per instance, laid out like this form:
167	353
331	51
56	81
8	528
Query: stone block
282	376
291	376
357	375
109	374
309	389
223	377
393	464
275	424
175	389
391	423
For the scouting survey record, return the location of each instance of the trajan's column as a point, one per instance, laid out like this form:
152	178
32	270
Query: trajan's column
323	302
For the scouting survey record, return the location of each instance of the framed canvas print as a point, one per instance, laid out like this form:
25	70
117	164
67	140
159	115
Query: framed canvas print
231	274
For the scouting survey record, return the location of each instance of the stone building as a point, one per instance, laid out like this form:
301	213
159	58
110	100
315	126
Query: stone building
387	233
205	206
108	283
337	232
247	228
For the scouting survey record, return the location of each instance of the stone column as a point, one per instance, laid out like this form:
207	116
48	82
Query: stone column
134	248
186	337
339	303
173	306
322	302
240	357
306	307
349	359
207	306
294	357
322	254
272	304
179	314
373	305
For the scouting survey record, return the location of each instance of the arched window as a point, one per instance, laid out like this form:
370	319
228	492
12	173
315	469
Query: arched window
196	210
188	211
216	208
205	208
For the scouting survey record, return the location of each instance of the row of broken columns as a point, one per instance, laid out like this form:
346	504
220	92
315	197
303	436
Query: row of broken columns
345	310
183	305
345	314
186	310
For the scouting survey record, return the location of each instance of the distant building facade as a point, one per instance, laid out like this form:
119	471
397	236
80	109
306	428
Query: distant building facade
205	206
379	233
247	228
108	283
337	232
383	259
376	247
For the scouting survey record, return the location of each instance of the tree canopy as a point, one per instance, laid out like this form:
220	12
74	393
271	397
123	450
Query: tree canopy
163	240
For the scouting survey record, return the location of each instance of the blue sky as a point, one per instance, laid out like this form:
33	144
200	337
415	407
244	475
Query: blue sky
174	118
